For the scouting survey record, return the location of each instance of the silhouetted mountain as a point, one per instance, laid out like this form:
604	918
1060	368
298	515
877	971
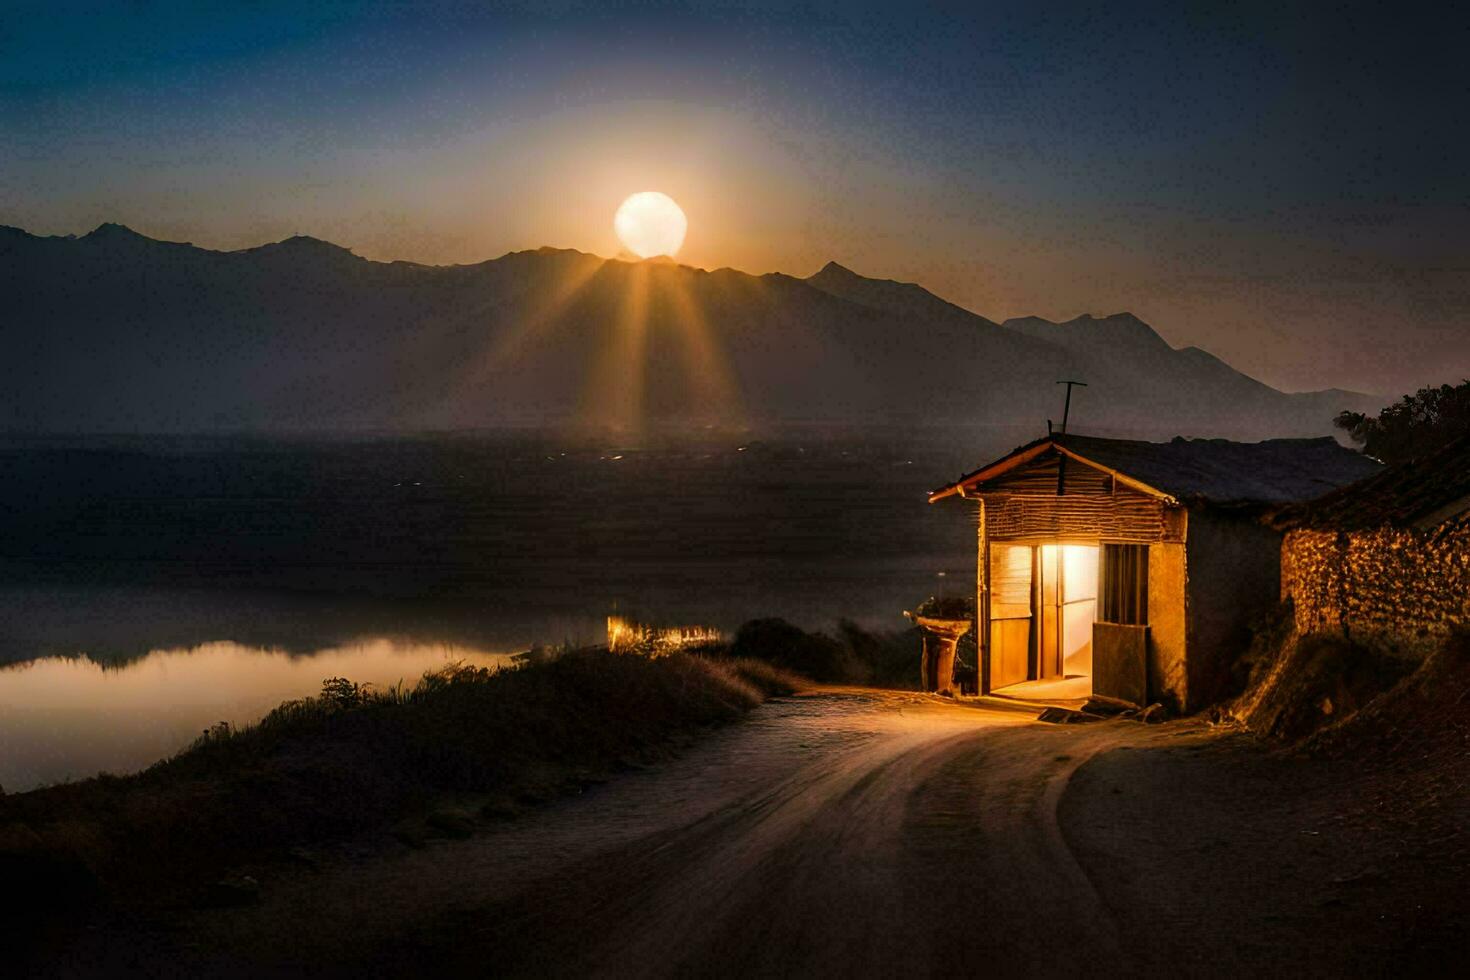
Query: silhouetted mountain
904	299
1193	383
114	331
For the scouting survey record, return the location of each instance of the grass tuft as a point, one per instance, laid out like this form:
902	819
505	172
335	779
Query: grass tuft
356	758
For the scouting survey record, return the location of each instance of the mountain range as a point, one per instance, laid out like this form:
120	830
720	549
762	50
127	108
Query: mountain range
117	332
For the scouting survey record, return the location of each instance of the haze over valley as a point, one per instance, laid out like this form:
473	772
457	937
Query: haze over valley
113	331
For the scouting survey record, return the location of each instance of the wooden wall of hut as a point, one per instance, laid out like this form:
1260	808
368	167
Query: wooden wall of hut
1025	505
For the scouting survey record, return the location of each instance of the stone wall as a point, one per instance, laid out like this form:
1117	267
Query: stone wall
1405	587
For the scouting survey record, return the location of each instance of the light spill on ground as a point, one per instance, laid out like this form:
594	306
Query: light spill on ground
844	831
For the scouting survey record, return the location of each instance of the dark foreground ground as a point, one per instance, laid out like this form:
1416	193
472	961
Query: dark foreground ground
863	833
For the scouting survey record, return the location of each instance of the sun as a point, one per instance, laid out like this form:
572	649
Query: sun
649	223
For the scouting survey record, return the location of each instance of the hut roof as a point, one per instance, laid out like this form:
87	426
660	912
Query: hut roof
1198	470
1420	493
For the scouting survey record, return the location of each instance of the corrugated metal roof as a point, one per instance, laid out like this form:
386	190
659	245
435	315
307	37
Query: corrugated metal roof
1423	493
1203	470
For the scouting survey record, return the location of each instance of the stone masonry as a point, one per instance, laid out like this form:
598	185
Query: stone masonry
1407	587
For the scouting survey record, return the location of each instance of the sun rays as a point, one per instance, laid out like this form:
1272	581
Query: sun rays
707	366
519	333
614	394
634	342
622	344
660	359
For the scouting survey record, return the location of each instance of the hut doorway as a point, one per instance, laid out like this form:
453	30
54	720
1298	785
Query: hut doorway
1043	602
1012	613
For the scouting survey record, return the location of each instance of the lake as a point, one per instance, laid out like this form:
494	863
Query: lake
151	587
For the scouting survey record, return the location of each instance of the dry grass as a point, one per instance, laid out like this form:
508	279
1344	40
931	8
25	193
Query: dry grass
1402	728
1310	682
1410	756
766	679
352	760
853	656
1426	714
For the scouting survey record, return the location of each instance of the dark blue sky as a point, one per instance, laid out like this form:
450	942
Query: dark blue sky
1284	184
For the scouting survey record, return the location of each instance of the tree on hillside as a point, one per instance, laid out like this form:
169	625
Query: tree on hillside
1413	426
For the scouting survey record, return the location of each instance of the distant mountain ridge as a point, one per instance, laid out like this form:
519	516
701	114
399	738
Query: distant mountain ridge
116	331
901	298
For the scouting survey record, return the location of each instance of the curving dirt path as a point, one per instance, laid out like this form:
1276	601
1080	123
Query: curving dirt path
844	832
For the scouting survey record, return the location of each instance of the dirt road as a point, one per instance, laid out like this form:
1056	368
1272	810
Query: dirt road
840	833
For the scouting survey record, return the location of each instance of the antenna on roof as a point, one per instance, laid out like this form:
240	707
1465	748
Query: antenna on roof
1067	408
1066	411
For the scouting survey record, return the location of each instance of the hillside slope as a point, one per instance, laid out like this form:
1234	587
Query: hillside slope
114	331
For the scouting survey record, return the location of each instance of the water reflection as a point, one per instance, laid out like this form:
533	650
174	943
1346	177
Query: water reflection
71	717
137	554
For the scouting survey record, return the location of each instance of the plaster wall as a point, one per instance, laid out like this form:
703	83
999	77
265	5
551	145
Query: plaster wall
1168	680
1234	579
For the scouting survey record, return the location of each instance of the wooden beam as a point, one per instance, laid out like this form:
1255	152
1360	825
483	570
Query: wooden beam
1122	478
1025	455
1004	465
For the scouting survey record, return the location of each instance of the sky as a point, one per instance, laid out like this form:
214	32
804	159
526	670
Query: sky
1283	184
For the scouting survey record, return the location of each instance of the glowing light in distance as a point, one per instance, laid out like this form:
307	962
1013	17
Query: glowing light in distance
649	223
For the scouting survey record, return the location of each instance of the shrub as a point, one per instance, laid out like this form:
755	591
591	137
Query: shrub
770	680
338	693
354	758
814	655
891	658
948	607
855	656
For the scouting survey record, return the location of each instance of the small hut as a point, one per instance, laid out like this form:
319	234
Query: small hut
1132	569
1386	560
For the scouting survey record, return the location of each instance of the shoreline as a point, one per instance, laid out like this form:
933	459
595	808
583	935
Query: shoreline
351	762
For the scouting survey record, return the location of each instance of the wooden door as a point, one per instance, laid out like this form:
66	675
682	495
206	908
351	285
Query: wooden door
1049	602
1010	613
1120	637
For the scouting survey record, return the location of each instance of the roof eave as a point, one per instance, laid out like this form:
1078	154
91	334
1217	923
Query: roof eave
1026	454
1005	464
